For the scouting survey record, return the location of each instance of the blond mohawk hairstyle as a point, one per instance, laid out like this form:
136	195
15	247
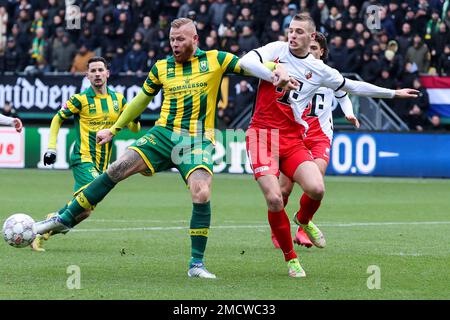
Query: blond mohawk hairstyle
178	23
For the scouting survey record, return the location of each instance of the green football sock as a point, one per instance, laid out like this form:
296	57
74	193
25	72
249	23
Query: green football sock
199	230
87	199
60	211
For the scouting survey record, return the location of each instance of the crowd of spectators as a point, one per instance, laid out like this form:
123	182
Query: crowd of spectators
410	38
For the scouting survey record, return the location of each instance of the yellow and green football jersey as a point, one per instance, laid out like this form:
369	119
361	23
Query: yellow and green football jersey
191	90
92	112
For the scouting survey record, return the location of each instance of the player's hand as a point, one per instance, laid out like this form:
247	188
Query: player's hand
353	120
406	93
280	76
104	136
49	157
18	124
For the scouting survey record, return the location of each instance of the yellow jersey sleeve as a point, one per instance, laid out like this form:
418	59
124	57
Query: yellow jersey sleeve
152	84
72	106
229	62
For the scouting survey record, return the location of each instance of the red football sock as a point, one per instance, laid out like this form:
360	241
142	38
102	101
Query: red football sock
308	208
281	228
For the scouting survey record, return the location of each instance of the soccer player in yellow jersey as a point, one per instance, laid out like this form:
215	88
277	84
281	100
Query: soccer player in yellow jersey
183	136
94	109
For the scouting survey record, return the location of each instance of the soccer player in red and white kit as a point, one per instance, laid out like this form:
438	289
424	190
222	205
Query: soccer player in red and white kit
318	115
274	139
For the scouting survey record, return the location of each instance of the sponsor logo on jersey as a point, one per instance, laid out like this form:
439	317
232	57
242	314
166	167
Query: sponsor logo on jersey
141	142
261	169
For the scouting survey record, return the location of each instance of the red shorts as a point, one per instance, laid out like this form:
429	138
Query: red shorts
320	149
269	152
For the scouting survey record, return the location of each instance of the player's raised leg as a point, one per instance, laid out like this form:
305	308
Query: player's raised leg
286	186
199	182
309	177
129	164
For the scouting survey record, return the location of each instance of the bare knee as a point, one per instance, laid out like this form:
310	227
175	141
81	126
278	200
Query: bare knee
316	191
274	201
200	192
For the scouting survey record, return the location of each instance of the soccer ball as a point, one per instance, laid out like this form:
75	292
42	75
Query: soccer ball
18	230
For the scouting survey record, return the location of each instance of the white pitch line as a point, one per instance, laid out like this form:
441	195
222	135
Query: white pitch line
339	225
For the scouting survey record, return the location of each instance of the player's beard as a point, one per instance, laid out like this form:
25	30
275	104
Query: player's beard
186	55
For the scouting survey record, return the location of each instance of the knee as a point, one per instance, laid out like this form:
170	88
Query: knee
200	192
316	191
275	202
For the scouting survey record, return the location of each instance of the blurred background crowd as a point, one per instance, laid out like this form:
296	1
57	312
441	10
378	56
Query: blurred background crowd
412	36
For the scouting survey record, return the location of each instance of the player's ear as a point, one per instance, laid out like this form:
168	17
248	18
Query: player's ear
313	35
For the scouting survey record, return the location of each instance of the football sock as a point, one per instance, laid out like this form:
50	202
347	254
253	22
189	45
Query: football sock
87	199
308	208
281	228
60	211
199	230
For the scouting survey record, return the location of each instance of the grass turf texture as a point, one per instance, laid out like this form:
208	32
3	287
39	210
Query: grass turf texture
135	246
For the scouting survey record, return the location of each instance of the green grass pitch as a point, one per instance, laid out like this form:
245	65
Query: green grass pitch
135	245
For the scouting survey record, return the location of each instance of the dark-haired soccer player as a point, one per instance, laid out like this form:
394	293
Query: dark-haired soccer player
94	109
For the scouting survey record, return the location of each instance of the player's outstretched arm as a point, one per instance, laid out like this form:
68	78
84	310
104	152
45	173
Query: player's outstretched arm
133	110
252	65
365	89
50	154
18	124
347	108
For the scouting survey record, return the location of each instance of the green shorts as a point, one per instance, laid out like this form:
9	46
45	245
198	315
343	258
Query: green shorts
162	149
84	173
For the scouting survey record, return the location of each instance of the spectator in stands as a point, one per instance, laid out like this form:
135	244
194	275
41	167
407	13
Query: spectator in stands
79	64
39	48
419	54
23	22
63	54
438	42
88	39
226	28
417	119
210	44
217	12
387	25
352	59
247	40
202	15
38	22
292	12
151	58
148	31
405	39
3	28
446	17
189	5
118	61
274	15
320	13
51	8
106	7
55	24
443	67
338	53
371	66
244	19
434	123
273	33
395	14
330	23
123	31
244	97
433	24
135	60
11	58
